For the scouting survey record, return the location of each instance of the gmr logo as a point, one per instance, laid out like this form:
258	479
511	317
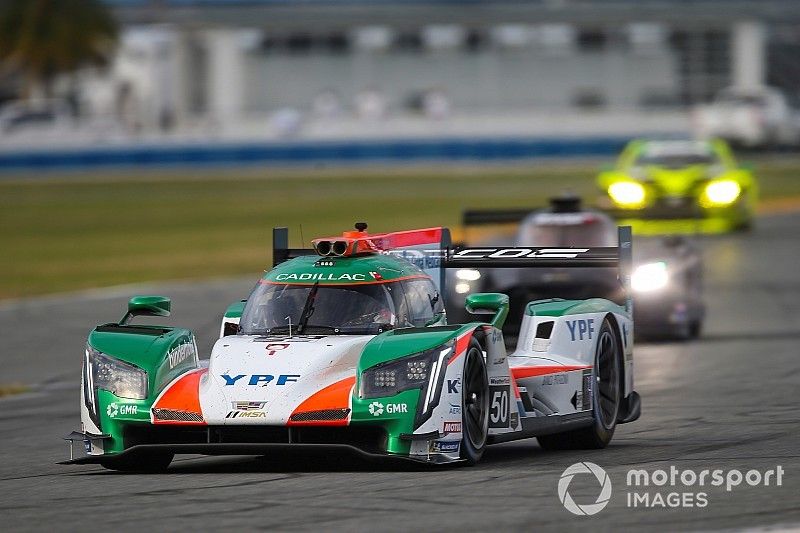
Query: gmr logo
377	408
584	468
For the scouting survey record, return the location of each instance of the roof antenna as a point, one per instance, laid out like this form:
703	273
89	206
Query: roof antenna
361	226
302	240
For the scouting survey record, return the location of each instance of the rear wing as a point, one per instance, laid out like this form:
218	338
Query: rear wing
430	250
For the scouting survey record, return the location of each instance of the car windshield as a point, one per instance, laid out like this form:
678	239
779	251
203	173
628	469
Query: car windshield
586	230
676	159
357	309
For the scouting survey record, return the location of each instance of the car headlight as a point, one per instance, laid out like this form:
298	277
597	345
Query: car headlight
627	194
720	193
121	379
468	274
462	287
424	371
650	277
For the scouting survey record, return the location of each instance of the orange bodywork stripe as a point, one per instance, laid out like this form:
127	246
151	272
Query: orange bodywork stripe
461	346
182	395
522	372
336	396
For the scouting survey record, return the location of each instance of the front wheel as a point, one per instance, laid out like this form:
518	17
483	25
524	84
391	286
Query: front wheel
474	404
606	398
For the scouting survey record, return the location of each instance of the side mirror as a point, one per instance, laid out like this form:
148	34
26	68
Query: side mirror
147	306
489	303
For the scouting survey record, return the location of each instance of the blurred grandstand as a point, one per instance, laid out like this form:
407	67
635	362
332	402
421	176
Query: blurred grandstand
200	71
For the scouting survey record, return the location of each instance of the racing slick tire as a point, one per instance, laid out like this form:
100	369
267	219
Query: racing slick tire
474	404
606	398
145	463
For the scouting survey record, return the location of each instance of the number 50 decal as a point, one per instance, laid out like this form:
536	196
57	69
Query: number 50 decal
498	406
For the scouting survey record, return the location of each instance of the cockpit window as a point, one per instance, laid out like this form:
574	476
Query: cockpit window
357	309
677	155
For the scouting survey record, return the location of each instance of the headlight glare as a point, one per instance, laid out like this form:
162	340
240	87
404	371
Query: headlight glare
650	277
627	194
468	274
121	379
721	193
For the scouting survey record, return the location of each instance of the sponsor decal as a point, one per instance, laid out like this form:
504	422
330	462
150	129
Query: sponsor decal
581	329
499	361
246	414
248	406
179	354
247	410
293	338
502	380
317	276
325	263
422	259
445	446
378	408
455	409
518	253
514	420
453	386
272	348
114	409
376	276
451	427
499	407
554	379
259	379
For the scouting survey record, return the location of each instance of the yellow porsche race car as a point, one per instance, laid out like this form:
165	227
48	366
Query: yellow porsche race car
661	187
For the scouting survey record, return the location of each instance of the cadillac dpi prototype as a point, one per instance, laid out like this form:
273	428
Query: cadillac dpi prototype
347	346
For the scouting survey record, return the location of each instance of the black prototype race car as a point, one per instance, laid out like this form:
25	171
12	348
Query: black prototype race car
667	277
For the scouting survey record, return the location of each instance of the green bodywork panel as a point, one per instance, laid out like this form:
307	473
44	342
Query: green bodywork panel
146	347
395	423
402	342
114	413
558	307
235	310
339	270
494	302
388	347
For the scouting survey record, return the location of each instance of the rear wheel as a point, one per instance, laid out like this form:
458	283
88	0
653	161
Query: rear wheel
142	462
475	404
606	398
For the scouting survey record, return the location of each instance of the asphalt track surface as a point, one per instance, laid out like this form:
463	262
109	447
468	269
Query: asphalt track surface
727	401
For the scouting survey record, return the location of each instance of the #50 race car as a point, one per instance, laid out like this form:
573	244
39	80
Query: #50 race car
347	346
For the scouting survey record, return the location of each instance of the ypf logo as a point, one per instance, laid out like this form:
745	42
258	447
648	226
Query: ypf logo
376	409
588	509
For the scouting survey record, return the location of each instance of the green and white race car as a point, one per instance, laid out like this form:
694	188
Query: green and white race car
347	346
669	187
